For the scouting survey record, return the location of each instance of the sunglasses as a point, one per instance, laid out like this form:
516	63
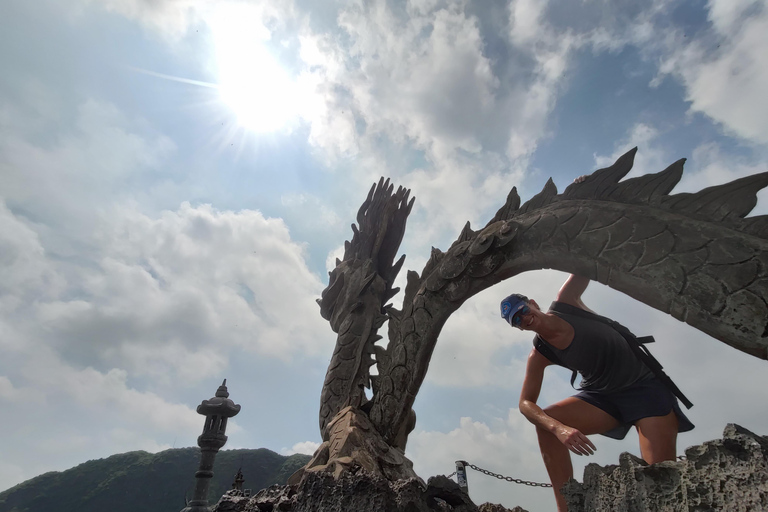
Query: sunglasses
517	318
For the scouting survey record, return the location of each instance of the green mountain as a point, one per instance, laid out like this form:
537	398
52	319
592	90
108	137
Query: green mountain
145	482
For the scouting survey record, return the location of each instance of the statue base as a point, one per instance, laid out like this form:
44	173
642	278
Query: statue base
354	442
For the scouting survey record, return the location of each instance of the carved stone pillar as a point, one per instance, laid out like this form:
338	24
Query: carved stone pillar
216	411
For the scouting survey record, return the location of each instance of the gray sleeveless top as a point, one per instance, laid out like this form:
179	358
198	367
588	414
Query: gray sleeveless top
601	355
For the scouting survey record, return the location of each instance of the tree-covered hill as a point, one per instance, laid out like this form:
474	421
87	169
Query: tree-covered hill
146	482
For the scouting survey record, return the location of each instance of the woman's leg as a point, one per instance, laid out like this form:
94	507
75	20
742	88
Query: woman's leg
577	414
658	437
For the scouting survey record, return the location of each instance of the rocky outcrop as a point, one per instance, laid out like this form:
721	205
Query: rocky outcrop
490	507
728	474
358	491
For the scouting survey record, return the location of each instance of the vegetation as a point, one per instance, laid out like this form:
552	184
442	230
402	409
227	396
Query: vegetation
149	482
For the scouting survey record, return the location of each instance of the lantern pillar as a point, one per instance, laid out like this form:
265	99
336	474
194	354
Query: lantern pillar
217	411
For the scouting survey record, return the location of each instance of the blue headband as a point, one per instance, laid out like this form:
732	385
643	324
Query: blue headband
512	305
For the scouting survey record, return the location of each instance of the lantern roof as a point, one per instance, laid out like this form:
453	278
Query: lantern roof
219	405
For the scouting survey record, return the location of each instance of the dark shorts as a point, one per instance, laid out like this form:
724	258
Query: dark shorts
642	399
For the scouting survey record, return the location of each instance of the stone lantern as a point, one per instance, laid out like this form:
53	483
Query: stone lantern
237	485
216	411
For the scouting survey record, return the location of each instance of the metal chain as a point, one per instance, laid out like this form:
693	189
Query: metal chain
509	478
518	480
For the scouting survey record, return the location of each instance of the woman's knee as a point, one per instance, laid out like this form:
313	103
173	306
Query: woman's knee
554	411
544	436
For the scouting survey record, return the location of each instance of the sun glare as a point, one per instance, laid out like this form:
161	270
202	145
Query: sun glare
251	82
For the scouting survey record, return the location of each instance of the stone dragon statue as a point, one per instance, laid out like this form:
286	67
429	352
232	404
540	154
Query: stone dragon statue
693	256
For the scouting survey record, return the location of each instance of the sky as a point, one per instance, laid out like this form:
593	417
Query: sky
178	176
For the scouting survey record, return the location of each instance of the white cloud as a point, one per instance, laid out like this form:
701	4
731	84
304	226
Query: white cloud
6	388
507	446
61	183
23	265
630	23
13	394
330	260
323	215
424	78
526	19
486	446
36	108
419	80
151	292
727	15
708	165
725	72
178	289
305	447
49	383
158	301
650	158
125	440
93	412
398	89
460	191
476	348
107	311
10	474
172	17
95	391
179	292
550	49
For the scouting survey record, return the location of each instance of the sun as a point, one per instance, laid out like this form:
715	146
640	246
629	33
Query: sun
252	83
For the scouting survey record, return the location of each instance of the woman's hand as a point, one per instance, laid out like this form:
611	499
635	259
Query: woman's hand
574	440
581	178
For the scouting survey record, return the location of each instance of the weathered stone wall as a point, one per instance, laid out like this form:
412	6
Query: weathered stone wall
358	492
728	474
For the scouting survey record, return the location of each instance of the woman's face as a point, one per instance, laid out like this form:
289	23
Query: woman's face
528	317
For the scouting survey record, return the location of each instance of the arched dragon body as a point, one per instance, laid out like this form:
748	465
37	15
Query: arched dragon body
693	256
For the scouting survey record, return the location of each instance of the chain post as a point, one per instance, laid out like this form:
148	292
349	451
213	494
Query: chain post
461	475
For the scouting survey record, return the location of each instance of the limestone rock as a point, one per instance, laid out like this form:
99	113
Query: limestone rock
491	507
728	474
355	491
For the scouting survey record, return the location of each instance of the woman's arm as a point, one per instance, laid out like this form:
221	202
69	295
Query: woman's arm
534	375
571	291
572	438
